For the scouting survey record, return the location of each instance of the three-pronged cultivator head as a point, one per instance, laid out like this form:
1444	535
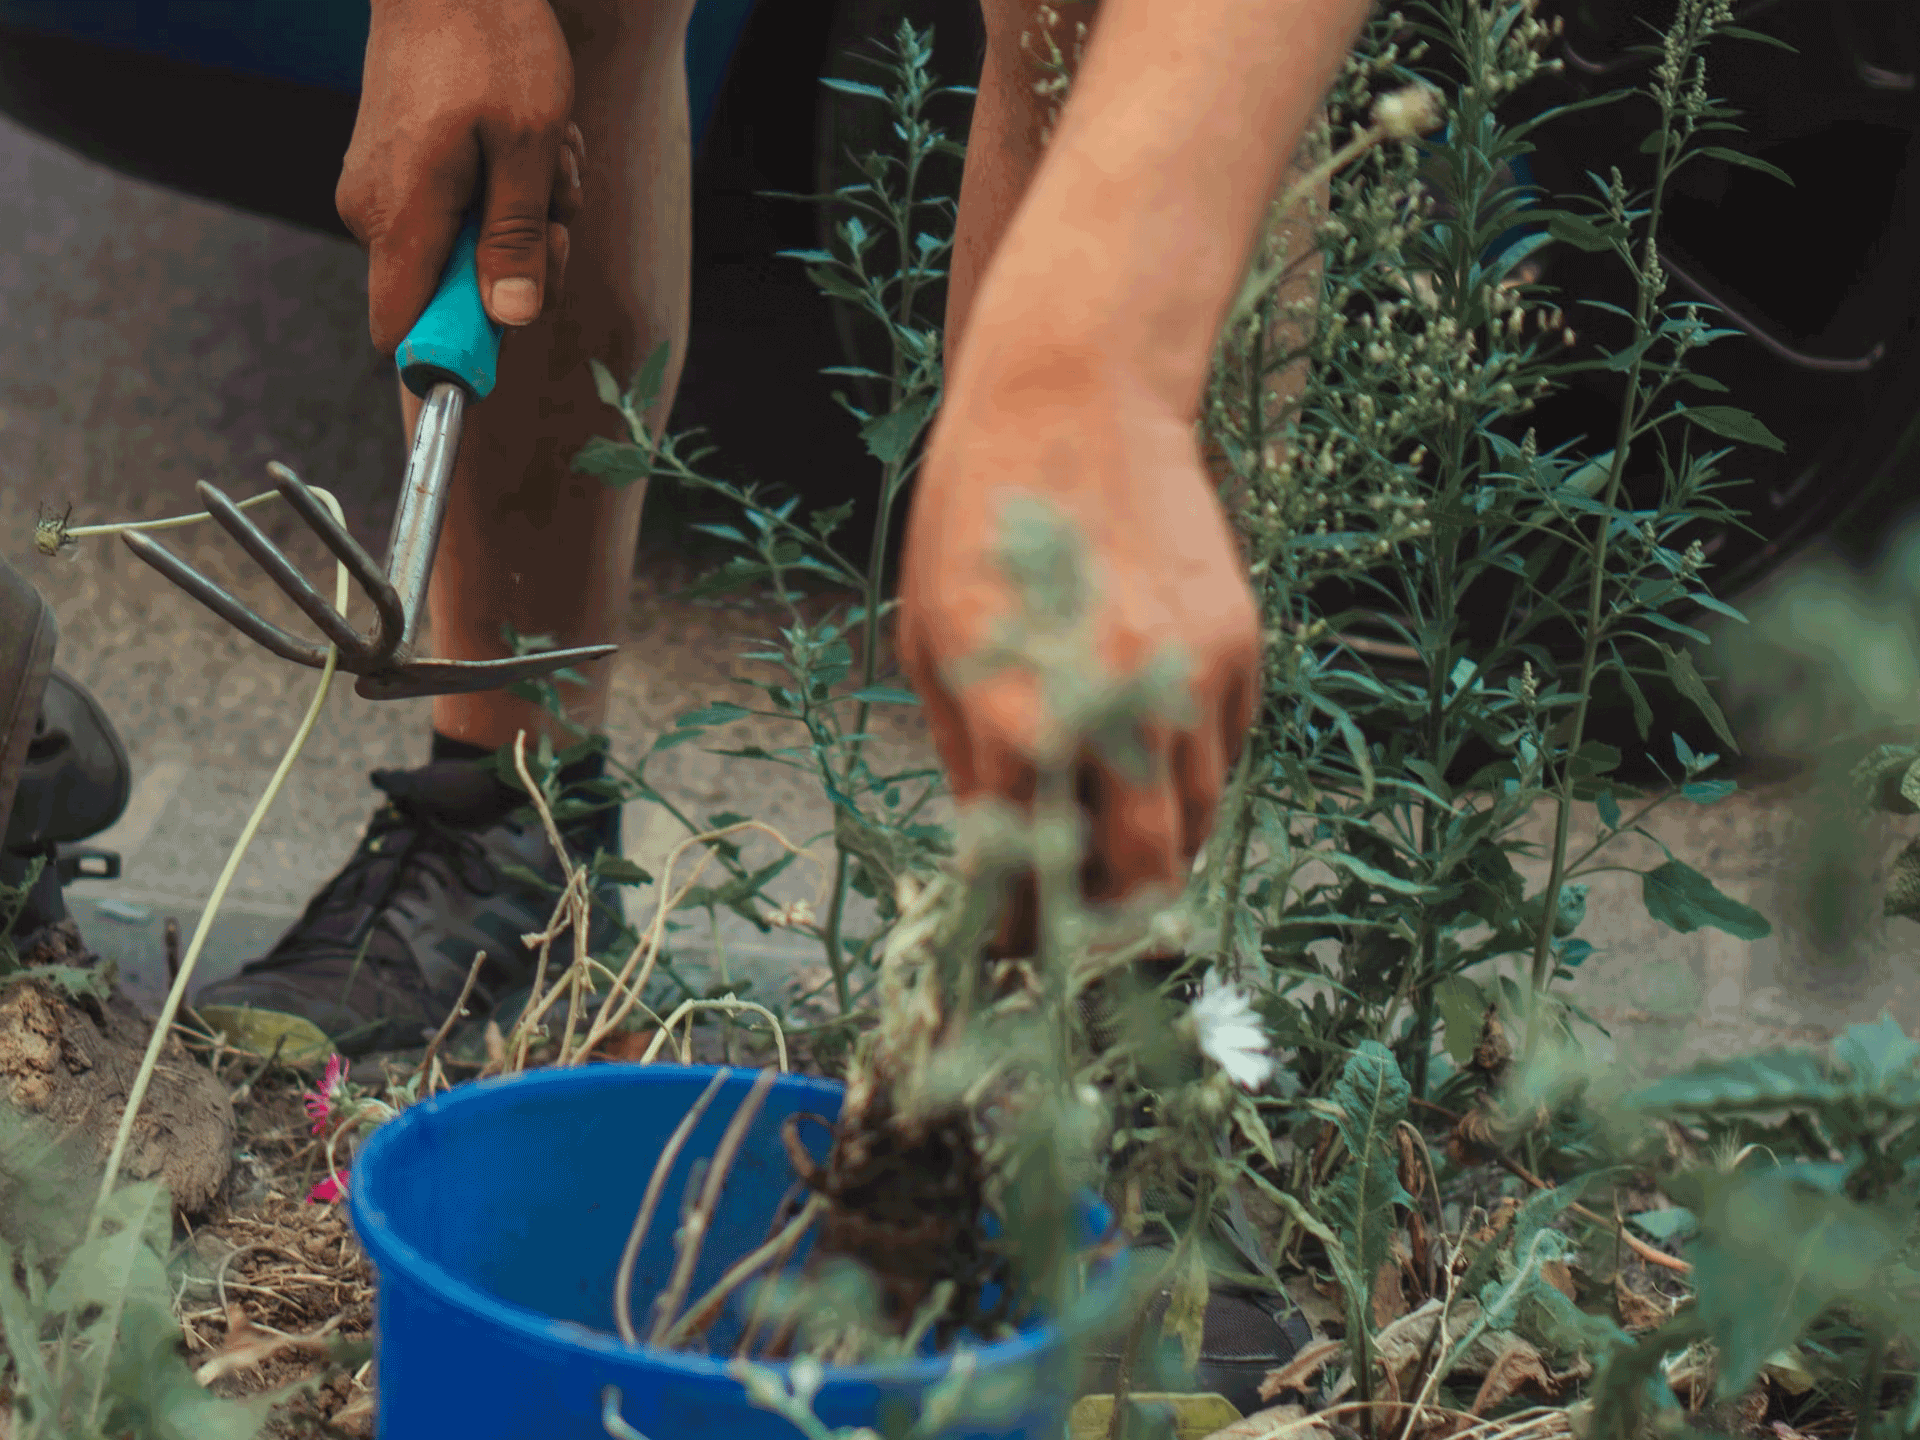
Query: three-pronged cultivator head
447	359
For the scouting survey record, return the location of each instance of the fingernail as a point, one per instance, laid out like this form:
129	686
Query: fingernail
515	301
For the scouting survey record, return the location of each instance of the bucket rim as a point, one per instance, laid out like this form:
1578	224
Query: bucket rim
394	1256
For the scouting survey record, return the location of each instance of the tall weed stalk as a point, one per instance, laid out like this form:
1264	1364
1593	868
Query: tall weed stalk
1364	862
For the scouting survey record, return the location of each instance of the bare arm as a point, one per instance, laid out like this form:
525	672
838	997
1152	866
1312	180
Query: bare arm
1138	225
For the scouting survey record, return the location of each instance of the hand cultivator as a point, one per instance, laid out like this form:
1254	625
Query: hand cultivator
447	359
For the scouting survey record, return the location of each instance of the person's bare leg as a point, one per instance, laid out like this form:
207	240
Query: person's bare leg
526	541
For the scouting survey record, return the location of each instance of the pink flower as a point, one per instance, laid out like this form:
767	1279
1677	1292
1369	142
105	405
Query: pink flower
320	1102
333	1188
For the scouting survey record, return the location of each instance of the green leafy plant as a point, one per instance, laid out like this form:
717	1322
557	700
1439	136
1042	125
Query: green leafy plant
1363	868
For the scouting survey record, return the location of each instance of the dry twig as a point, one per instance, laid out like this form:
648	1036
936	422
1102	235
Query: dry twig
663	1167
693	1233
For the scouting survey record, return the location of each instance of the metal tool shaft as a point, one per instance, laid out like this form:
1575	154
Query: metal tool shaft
423	504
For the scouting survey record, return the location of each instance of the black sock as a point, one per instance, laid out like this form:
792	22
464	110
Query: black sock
593	767
445	747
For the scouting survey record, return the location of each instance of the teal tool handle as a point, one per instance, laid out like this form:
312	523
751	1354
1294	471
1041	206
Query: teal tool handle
453	339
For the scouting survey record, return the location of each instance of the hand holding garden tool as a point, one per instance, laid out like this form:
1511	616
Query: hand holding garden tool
447	359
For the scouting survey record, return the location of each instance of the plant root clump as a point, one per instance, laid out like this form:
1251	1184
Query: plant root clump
904	1202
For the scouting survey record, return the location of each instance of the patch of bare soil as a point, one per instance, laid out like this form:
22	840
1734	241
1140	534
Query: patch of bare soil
273	1281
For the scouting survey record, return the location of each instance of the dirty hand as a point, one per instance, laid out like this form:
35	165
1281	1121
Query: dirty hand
457	97
1166	574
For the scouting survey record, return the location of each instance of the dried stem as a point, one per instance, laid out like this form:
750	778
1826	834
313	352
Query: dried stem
707	1309
693	1233
727	1004
663	1167
446	1026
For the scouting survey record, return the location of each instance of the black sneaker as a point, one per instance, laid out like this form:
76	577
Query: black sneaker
1243	1334
378	958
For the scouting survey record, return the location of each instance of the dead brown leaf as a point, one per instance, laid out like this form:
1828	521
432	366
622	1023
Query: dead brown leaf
1637	1312
1492	1052
356	1416
1389	1299
622	1045
1419	1255
1517	1367
1308	1362
1559	1274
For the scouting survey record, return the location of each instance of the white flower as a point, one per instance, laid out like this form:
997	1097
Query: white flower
1231	1035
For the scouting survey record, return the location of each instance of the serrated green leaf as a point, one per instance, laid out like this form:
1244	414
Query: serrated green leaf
1589	479
651	375
1372	1098
1751	162
888	437
853	87
1708	792
1741	32
1372	875
1903	883
1681	897
1583	234
1642	709
620	870
20	1333
1771	1080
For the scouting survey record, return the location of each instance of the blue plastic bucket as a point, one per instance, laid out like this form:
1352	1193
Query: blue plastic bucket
495	1216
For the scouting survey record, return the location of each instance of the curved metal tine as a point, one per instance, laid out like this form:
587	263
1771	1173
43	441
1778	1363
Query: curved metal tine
465	677
298	588
373	580
263	632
